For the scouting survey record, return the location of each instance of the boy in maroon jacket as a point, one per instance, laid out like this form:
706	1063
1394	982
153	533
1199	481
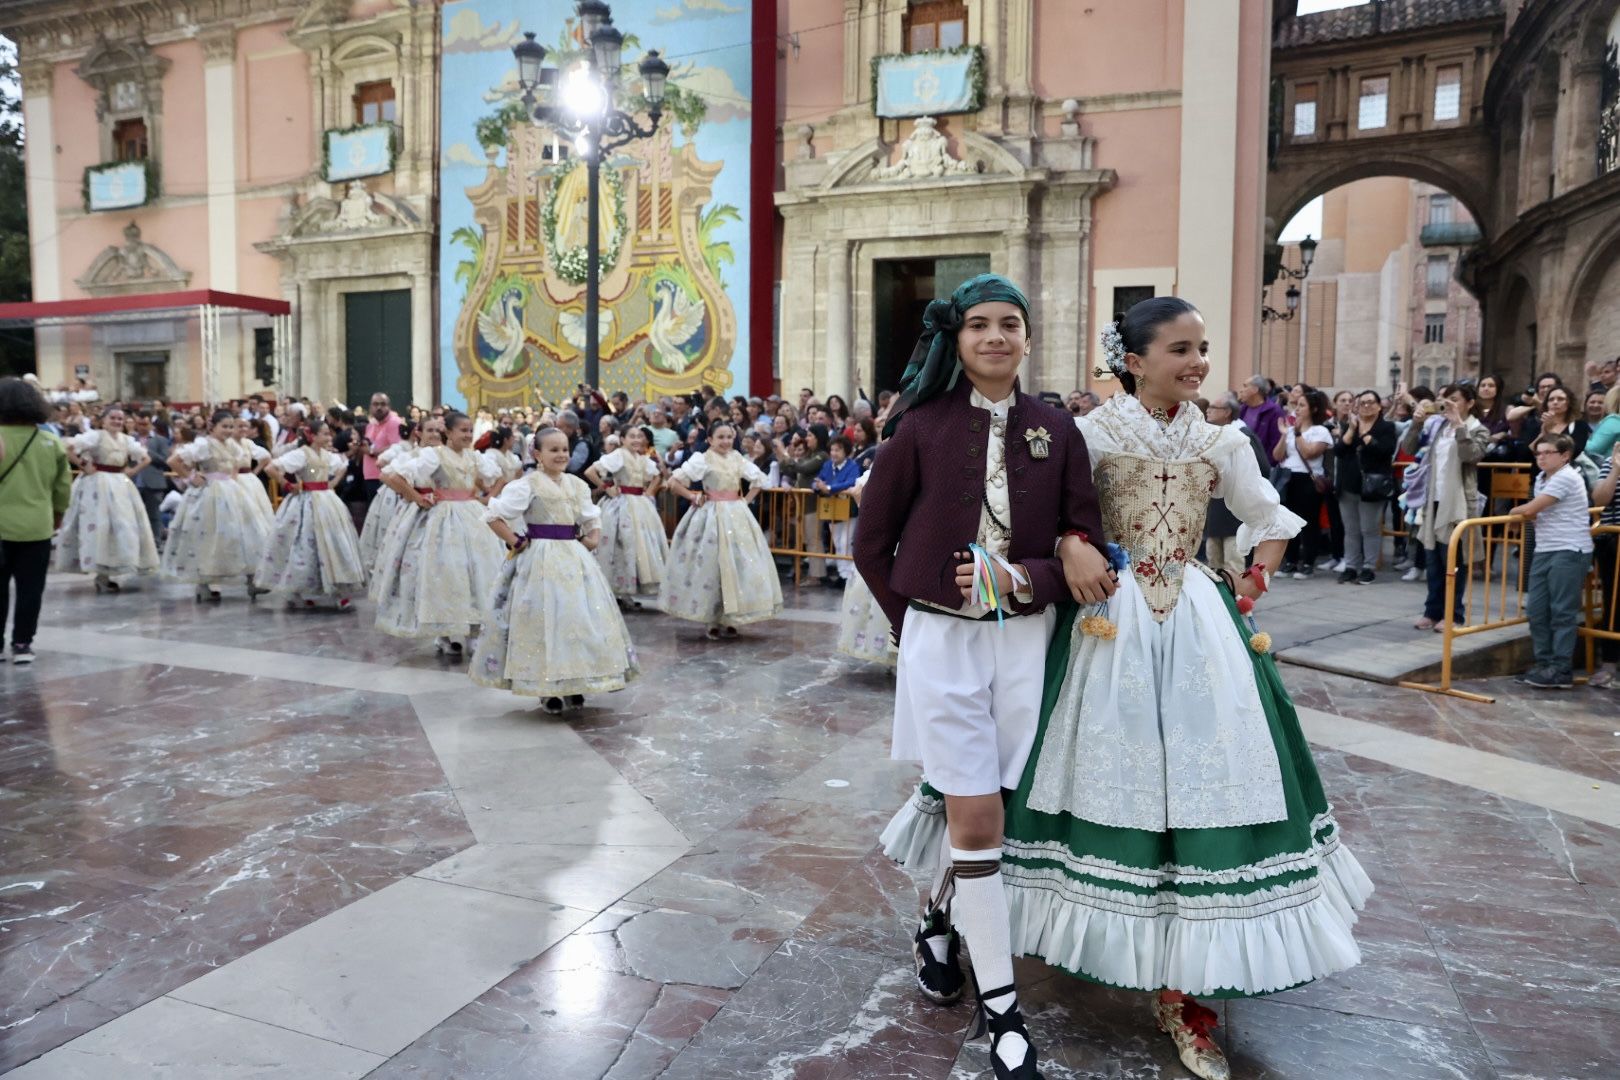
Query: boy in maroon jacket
976	462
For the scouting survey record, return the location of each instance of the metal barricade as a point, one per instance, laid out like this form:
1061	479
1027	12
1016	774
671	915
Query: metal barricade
1599	597
1496	546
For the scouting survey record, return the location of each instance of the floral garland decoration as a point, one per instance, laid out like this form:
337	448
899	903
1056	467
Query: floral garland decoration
976	72
326	147
572	263
150	166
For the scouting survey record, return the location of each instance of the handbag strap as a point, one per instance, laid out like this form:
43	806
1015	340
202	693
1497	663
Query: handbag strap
20	455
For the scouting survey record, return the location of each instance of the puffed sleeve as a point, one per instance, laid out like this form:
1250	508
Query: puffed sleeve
489	470
610	463
754	474
1250	496
337	463
84	444
512	503
394	453
588	513
293	460
417	469
258	452
193	451
693	469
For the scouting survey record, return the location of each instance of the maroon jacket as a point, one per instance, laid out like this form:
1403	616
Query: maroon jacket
921	504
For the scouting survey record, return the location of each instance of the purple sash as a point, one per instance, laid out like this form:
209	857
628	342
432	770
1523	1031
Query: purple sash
553	532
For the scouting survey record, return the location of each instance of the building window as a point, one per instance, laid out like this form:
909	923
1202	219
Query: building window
1128	296
129	140
1425	376
1304	110
264	354
1374	111
1448	94
374	103
935	24
1441	209
1608	142
1439	276
1434	329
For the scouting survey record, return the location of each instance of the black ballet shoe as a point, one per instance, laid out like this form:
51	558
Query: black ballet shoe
941	981
574	701
1000	1025
553	706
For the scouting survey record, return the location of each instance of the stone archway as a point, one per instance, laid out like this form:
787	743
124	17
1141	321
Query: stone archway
1291	187
1592	314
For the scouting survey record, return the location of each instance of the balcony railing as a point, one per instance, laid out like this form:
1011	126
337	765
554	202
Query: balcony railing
1450	234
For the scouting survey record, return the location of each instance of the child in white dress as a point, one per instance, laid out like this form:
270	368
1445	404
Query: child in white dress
438	562
864	632
496	445
313	550
720	571
380	515
106	530
216	535
552	629
250	460
633	549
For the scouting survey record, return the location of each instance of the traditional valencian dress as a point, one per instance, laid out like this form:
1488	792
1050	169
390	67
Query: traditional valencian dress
313	550
720	571
437	566
553	628
381	513
864	632
1169	830
634	548
106	531
217	535
249	453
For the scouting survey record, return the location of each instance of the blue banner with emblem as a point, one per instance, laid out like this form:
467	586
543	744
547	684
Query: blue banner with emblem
929	84
116	187
359	151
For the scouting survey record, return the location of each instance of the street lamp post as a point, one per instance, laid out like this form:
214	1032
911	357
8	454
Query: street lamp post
1394	371
1307	255
586	111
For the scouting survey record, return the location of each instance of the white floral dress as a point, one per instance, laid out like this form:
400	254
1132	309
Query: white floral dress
634	548
249	453
380	514
313	550
437	566
863	629
217	536
552	628
720	570
106	530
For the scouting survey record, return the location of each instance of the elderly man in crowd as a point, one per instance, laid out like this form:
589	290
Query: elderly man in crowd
1262	416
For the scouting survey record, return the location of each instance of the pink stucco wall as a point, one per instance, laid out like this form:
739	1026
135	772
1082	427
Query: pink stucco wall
275	114
1253	96
1090	47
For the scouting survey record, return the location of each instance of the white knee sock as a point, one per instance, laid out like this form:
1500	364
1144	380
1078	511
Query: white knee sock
980	914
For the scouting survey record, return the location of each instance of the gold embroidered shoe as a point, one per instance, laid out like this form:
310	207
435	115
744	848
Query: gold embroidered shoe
1191	1027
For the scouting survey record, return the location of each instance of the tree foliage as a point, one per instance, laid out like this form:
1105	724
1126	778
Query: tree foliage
16	346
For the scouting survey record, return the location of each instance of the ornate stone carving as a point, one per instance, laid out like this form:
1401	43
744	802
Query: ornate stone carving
127	75
360	210
1071	118
806	149
219	45
133	267
923	156
37	79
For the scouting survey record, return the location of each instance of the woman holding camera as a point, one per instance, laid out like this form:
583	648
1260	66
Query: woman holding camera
1365	454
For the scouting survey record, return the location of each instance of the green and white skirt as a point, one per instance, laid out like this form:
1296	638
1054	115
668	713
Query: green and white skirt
1218	912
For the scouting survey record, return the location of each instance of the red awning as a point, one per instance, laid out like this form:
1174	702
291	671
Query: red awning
69	310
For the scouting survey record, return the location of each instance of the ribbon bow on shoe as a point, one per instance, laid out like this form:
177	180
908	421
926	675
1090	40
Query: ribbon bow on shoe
1191	1027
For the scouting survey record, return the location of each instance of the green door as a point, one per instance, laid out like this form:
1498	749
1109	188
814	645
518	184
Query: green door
377	346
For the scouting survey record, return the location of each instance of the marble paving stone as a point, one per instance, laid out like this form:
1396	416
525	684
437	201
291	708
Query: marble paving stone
339	978
818	1011
1526	1040
587	877
173	1040
1271	1040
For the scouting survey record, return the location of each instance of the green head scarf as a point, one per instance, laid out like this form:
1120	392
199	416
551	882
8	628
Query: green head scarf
934	365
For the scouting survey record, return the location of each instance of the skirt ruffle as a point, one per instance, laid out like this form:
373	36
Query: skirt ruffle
216	536
436	570
863	629
379	516
720	569
633	550
313	550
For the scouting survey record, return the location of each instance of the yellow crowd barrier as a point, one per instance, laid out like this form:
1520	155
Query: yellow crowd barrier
785	516
1487	557
1602	603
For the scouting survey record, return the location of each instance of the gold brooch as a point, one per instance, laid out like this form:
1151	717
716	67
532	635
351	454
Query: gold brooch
1040	442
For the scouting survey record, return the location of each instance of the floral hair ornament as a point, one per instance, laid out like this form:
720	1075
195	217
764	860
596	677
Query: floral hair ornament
984	578
1113	343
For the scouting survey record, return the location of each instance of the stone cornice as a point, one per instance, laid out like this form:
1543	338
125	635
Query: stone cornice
1548	219
57	30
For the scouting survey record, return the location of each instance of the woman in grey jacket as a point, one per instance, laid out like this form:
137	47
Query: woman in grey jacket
1456	443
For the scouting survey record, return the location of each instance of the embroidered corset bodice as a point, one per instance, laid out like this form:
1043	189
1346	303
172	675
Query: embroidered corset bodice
553	502
111	449
218	457
316	470
1155	509
723	473
456	471
636	472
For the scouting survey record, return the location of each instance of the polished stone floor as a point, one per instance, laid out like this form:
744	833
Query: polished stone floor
237	841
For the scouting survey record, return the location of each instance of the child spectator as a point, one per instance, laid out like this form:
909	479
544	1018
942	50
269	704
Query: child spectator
1563	555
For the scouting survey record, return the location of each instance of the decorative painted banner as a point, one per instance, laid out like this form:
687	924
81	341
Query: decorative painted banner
929	84
359	151
673	213
116	187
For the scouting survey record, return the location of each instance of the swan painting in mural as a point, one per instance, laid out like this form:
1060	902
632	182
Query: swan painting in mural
502	336
677	318
572	325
